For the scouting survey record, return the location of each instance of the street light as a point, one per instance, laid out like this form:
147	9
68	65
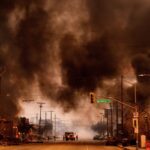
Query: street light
136	113
144	75
122	110
146	117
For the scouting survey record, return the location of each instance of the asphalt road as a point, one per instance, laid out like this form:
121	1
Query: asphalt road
60	146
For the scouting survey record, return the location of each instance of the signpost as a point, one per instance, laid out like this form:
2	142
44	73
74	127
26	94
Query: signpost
103	101
135	125
135	122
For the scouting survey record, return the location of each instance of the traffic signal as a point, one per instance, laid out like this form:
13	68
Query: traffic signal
135	125
92	97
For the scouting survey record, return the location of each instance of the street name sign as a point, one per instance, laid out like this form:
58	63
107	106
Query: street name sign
103	101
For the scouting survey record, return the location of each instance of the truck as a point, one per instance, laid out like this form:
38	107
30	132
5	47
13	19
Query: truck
70	136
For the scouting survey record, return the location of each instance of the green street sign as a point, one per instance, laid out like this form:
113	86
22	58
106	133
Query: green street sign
103	101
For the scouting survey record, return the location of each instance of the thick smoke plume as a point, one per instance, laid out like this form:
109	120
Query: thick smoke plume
70	47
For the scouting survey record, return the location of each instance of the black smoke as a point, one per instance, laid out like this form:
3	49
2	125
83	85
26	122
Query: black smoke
23	53
87	50
85	66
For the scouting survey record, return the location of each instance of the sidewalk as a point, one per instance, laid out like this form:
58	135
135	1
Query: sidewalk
133	148
130	148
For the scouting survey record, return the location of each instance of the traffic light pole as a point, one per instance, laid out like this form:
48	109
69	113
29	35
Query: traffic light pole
92	97
136	112
135	98
40	105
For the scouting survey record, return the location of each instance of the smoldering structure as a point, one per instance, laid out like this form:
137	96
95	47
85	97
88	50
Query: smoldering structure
83	43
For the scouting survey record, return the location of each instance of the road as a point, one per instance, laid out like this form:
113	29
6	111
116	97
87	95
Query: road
60	146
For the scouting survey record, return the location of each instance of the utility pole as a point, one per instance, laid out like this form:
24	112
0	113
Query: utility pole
55	128
107	116
45	117
111	118
102	123
40	105
46	123
0	84
2	70
51	116
147	124
137	117
37	118
122	111
51	121
117	119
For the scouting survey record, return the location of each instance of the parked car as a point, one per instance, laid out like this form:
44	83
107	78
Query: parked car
112	141
125	142
128	141
97	137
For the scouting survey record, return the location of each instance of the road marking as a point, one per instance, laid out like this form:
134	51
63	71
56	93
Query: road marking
87	148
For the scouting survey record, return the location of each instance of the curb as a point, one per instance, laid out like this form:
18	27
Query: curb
127	148
124	148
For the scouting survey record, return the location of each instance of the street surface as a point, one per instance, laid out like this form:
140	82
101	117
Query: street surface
58	146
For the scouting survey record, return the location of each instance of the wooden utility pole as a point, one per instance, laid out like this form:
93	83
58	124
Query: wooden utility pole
107	118
111	118
55	128
117	119
40	105
122	111
51	121
2	70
